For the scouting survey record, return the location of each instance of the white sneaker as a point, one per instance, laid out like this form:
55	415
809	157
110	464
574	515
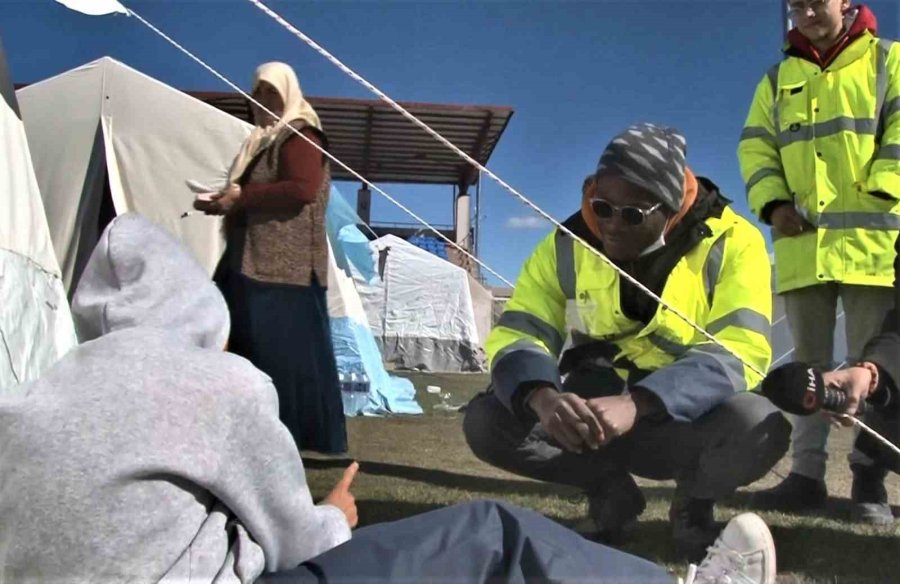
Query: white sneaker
744	553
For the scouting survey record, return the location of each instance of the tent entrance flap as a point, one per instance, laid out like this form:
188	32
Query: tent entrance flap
95	211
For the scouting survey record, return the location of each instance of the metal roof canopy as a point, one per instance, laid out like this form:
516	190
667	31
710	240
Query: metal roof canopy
376	141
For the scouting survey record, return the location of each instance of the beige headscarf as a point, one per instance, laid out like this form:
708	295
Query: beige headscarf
282	77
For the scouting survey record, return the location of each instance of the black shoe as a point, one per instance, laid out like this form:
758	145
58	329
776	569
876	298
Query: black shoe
868	497
795	493
693	526
613	510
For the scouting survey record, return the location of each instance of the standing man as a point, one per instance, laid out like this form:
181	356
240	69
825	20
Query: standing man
820	155
640	391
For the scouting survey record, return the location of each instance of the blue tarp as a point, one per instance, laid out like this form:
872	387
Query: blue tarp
354	346
350	245
357	353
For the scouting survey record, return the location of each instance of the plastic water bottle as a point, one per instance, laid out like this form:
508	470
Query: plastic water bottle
362	392
445	404
346	394
353	387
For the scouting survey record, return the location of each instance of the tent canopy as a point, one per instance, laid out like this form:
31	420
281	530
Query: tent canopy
105	123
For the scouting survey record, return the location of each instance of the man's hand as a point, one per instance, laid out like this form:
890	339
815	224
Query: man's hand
854	381
788	222
341	497
617	415
220	203
567	419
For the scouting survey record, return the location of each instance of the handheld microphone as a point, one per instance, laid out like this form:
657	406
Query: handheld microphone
800	389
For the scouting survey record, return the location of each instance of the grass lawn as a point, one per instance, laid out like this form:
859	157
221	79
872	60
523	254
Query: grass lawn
411	464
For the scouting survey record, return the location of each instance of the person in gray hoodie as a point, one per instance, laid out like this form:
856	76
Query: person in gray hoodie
148	453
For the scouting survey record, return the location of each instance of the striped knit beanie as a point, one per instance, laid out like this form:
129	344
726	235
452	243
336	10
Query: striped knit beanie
651	157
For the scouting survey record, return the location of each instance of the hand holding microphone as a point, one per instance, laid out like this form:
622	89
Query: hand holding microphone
800	389
858	383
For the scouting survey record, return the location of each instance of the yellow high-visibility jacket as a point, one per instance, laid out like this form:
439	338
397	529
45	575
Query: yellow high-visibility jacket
723	284
828	142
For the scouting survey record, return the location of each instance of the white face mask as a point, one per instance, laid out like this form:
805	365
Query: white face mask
660	242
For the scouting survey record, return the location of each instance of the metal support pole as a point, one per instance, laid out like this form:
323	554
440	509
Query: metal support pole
463	214
364	204
786	24
476	236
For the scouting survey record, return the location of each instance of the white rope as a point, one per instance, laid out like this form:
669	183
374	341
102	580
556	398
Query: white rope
778	360
319	148
369	229
319	49
862	426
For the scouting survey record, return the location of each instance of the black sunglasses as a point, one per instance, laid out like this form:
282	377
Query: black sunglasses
630	214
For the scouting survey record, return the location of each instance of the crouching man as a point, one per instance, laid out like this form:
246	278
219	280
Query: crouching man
640	391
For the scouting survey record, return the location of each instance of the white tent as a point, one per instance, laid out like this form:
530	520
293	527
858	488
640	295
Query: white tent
35	322
105	125
104	132
421	310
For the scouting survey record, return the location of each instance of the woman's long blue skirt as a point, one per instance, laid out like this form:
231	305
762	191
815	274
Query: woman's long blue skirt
284	331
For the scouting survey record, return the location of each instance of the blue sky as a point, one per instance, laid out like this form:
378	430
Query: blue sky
575	73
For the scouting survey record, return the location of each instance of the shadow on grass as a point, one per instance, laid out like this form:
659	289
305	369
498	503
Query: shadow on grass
472	483
453	480
373	511
812	549
835	507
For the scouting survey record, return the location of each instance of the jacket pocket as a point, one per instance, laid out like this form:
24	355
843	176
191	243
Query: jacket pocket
792	106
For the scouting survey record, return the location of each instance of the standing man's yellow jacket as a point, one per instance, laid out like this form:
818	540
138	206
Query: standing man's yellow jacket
828	142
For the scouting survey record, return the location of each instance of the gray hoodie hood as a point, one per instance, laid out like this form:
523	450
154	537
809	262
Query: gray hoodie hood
140	276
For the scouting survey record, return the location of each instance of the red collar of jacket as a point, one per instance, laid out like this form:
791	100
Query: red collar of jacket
857	20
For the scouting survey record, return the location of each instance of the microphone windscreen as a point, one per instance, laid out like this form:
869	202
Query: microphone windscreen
795	388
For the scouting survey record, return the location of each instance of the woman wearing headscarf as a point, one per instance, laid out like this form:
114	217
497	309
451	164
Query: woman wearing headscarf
274	271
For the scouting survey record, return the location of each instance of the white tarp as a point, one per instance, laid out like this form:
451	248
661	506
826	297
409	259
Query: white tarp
35	322
421	310
105	121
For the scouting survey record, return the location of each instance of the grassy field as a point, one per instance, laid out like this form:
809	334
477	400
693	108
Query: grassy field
413	464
